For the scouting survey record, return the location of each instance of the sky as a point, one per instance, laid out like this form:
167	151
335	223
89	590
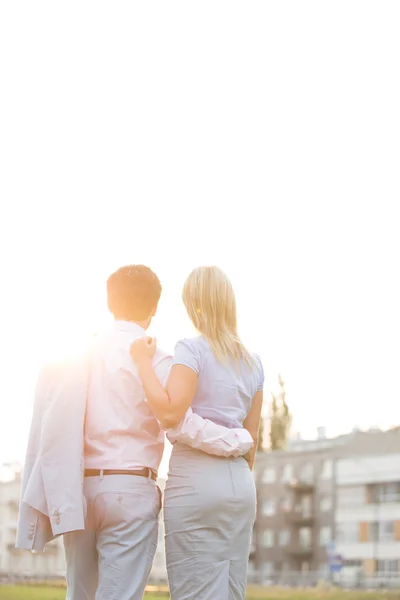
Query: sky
263	137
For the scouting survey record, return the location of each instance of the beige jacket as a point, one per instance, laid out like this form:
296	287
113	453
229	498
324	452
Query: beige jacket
52	501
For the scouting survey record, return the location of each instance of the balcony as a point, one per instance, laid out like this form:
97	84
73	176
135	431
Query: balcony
299	517
301	486
299	550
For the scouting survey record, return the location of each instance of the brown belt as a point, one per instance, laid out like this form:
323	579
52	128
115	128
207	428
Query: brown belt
140	473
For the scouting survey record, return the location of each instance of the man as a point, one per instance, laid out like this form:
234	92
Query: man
107	502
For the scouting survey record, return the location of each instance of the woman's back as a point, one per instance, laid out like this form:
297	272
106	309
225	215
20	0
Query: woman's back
225	389
210	501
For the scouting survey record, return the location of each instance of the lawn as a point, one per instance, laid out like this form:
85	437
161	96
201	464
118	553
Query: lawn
48	593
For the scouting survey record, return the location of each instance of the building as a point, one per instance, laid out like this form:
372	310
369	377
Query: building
367	517
18	563
321	496
295	517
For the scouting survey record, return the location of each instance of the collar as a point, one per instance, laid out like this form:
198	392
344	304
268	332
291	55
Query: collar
130	327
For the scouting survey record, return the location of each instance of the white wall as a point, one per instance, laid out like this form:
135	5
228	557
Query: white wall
368	513
369	469
363	551
361	472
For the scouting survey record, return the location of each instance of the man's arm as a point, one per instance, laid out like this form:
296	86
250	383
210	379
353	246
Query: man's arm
203	434
209	437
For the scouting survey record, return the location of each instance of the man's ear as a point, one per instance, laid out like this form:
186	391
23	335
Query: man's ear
154	311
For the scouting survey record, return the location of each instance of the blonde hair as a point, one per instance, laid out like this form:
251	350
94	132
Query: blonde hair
210	302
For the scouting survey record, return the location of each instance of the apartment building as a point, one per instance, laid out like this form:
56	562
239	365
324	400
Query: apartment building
20	562
341	493
367	517
295	520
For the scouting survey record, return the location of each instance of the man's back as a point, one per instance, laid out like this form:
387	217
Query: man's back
123	443
121	432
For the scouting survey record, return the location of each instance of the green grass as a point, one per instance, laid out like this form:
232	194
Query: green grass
48	593
30	593
43	593
318	594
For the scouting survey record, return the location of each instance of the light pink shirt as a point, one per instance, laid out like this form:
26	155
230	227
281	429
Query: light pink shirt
121	431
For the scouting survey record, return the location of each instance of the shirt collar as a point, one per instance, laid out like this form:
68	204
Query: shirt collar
130	327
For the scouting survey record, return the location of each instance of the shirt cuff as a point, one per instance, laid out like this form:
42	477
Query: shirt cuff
211	438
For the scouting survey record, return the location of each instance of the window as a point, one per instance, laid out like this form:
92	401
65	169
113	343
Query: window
348	533
268	507
372	494
307	473
382	531
327	469
325	504
287	473
325	536
306	505
353	564
386	531
286	504
389	492
305	537
387	566
353	495
269	475
268	538
384	493
284	537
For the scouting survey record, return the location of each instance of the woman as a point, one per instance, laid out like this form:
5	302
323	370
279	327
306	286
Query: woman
210	501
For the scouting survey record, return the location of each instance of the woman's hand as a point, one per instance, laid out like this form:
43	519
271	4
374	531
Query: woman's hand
143	349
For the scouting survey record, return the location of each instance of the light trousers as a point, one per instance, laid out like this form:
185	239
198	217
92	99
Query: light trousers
112	558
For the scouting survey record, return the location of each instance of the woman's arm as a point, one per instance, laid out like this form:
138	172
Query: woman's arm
169	406
252	424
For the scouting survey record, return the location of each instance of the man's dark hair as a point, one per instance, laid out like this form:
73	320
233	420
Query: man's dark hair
133	292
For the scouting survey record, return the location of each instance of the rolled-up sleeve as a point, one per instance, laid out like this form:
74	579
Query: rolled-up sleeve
187	354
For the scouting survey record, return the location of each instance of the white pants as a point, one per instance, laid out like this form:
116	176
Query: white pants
112	558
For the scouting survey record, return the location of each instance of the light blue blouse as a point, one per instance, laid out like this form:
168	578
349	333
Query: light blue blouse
224	391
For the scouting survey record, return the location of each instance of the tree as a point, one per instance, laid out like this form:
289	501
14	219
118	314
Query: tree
280	419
